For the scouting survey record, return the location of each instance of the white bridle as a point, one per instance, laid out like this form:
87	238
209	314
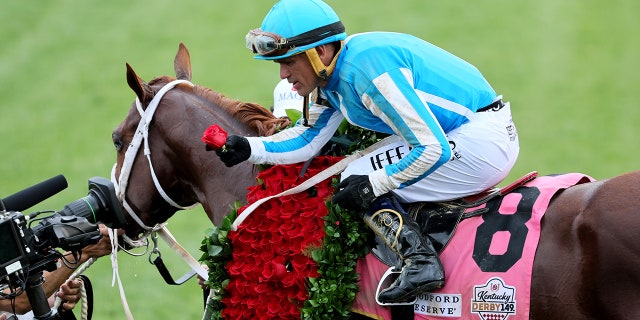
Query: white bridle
120	185
142	135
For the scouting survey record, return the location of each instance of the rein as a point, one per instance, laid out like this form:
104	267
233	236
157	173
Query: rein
120	184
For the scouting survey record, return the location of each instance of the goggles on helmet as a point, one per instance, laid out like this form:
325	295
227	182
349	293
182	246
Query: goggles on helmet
270	44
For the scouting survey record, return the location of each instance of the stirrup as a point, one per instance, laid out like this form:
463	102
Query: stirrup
387	279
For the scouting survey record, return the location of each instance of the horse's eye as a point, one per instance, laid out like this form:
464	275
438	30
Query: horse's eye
117	142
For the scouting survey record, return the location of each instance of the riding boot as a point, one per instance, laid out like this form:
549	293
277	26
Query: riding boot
422	270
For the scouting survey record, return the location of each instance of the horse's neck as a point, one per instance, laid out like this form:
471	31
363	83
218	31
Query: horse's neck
215	186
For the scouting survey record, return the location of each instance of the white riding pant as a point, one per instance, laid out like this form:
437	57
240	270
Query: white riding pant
483	152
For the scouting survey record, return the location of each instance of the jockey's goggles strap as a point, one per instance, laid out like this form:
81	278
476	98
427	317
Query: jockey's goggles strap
270	44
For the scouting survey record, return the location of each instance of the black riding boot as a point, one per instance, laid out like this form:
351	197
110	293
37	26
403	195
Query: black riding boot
422	269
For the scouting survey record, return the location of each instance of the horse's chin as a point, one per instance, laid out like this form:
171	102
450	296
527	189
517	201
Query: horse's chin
134	234
124	244
130	239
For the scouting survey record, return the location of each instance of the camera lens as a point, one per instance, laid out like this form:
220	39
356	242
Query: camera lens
87	207
100	205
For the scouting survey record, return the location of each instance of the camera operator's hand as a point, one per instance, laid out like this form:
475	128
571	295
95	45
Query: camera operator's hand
70	293
57	279
102	248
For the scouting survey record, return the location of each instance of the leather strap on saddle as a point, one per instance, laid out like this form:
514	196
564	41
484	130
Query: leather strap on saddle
439	220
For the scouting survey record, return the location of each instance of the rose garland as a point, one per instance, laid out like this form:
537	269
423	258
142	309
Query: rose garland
295	256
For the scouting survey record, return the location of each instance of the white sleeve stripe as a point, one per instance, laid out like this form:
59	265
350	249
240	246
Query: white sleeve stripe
416	125
408	115
439	101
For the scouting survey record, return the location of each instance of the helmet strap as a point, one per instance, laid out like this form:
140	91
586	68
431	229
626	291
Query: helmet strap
322	71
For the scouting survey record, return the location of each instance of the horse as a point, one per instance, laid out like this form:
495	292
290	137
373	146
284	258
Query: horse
585	266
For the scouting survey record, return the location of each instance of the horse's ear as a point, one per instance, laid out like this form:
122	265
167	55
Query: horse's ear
141	88
182	63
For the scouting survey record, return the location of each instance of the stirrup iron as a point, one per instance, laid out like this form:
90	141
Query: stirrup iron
386	280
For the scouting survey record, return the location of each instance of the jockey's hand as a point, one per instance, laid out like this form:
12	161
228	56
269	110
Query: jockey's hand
236	150
356	193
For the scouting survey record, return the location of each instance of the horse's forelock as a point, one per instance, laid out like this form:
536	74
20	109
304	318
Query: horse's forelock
161	80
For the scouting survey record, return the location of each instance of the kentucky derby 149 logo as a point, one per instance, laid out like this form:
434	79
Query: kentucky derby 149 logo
494	300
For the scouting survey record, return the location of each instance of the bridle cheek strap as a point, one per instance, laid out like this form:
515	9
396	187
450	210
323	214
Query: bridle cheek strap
120	184
142	136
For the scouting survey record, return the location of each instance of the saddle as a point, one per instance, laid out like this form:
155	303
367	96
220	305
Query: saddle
438	220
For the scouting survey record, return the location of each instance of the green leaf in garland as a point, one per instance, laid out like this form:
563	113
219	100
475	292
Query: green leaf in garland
214	250
293	115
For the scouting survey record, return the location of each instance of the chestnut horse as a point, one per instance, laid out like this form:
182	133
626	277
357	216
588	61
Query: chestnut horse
587	264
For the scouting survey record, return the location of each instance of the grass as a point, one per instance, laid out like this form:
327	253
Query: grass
569	68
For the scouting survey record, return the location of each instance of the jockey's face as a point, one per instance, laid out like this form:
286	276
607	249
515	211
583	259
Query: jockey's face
297	69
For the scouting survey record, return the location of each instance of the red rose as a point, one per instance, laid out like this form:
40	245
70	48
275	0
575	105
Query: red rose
271	262
215	137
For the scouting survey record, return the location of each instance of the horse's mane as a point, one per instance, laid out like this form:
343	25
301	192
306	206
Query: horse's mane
252	114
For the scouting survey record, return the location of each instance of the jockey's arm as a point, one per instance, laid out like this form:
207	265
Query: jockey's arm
411	119
298	143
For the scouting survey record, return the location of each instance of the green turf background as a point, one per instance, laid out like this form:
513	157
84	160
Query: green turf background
570	69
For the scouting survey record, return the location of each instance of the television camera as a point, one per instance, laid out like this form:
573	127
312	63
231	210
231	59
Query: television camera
26	250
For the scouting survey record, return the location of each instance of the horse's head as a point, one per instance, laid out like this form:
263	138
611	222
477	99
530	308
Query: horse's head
162	165
143	154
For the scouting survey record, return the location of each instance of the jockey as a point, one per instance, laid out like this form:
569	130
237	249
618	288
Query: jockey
455	135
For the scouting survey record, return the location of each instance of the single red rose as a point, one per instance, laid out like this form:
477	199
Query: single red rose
215	137
279	269
274	308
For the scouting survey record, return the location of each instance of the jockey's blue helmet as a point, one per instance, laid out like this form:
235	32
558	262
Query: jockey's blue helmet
294	26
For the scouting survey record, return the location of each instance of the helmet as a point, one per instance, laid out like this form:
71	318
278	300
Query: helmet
284	97
291	18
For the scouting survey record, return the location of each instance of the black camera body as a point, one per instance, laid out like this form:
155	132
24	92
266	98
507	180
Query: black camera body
13	256
27	251
32	248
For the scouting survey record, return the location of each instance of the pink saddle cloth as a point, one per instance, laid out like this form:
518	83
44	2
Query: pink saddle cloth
488	263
